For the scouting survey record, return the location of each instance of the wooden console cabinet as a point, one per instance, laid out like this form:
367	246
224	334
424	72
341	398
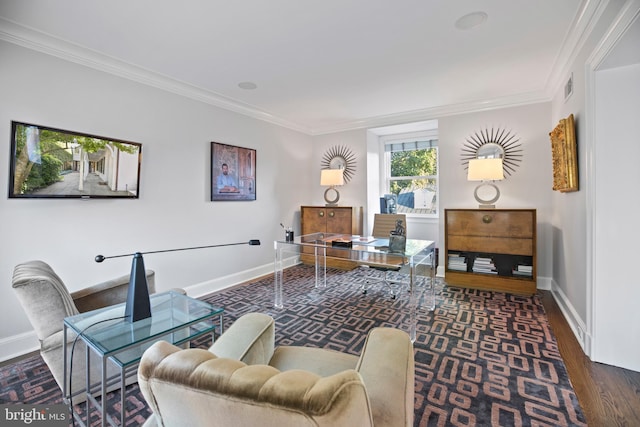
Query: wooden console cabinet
328	219
492	249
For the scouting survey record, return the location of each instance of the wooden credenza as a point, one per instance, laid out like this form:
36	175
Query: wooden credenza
328	219
491	249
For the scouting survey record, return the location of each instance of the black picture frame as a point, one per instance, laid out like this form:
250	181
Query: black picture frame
239	182
51	163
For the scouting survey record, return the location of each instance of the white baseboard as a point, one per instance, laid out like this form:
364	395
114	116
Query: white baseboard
577	325
18	345
543	283
204	288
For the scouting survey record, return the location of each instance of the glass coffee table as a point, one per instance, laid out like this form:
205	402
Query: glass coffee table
417	254
175	318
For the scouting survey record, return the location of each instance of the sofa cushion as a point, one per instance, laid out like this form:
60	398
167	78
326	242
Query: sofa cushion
320	361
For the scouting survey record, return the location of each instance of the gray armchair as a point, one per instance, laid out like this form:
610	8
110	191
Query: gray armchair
46	300
244	380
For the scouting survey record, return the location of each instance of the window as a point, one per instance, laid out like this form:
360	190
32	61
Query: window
411	172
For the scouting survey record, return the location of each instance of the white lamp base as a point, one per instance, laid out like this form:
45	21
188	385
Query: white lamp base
334	201
488	198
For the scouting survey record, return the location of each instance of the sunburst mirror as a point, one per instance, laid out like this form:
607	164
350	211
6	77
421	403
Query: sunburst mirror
340	157
493	143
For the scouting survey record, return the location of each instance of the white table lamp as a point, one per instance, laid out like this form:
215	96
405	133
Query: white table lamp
331	178
486	170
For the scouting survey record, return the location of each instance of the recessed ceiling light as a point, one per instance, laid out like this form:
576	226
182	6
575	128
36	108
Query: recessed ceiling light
247	85
471	20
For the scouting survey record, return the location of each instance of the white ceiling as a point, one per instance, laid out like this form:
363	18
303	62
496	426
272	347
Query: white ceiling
319	66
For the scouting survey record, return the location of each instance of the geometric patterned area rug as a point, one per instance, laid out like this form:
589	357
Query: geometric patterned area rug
482	358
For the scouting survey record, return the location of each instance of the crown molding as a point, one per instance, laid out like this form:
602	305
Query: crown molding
50	45
625	19
576	37
437	112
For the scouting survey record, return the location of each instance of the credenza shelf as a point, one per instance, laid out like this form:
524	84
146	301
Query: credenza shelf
504	239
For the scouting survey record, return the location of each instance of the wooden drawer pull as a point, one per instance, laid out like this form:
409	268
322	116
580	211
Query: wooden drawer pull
487	219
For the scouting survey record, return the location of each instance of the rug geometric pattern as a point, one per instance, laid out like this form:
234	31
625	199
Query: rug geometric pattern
482	358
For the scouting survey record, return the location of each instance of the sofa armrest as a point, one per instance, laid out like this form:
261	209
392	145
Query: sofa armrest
250	339
388	371
107	293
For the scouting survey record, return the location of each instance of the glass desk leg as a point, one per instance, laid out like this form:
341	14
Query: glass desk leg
428	292
277	281
321	266
412	301
430	285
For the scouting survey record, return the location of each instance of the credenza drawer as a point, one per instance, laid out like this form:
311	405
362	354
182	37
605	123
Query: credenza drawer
490	244
511	224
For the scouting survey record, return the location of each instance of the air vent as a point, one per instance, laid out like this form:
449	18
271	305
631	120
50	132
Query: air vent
568	87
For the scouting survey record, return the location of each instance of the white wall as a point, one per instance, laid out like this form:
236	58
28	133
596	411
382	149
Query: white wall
617	290
174	209
362	190
573	214
351	192
529	187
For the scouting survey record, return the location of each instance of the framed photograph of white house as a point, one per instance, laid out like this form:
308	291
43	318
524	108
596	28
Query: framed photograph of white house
233	172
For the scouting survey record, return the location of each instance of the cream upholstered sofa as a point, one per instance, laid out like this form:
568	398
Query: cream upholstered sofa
46	300
242	380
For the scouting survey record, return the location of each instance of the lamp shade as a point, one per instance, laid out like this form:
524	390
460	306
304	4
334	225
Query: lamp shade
485	170
331	177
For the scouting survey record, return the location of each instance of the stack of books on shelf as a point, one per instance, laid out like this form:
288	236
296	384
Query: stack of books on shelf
457	262
523	270
484	265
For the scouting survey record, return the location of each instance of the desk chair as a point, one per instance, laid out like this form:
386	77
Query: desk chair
383	225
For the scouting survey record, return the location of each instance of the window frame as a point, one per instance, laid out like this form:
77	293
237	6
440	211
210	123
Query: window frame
385	164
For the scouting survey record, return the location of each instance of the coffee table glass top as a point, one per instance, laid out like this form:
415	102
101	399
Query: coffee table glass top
175	317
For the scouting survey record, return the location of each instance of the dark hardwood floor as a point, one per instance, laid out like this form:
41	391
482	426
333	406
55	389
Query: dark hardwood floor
609	396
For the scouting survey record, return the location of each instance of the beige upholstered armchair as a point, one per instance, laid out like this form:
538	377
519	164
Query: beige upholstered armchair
47	302
242	380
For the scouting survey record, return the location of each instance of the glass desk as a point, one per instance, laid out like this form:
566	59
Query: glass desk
175	318
418	253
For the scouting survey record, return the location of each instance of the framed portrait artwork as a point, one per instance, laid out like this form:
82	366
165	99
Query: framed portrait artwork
233	172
